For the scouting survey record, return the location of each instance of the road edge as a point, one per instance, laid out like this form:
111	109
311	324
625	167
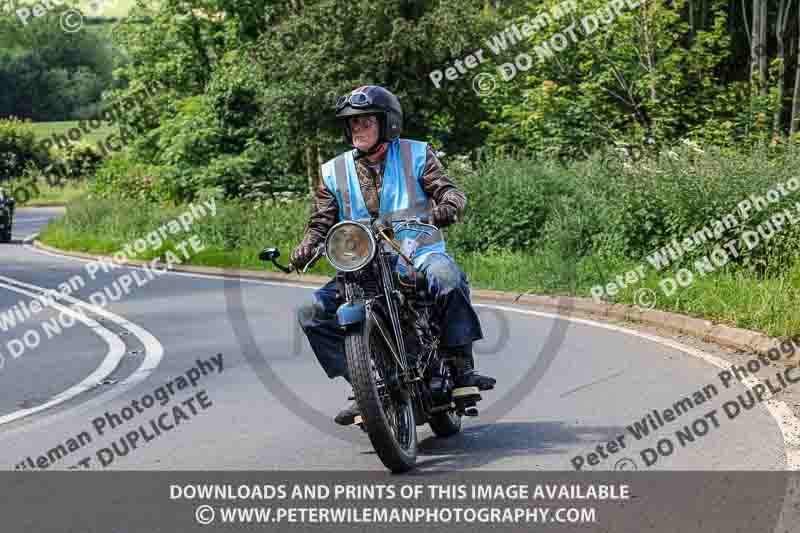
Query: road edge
730	337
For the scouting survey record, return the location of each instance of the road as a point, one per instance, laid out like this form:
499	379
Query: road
565	387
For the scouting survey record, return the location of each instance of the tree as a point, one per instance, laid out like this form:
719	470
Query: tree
48	74
780	30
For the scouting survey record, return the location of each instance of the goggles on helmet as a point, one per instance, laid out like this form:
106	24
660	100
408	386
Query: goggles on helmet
355	100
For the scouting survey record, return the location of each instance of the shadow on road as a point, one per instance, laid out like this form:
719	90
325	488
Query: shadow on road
478	446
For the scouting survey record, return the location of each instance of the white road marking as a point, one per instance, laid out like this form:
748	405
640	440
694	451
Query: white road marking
26	220
154	351
116	350
788	424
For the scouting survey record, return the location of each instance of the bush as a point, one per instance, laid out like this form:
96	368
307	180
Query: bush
79	161
603	213
681	191
18	148
74	163
508	202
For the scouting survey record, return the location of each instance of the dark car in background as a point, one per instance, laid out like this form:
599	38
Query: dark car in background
6	216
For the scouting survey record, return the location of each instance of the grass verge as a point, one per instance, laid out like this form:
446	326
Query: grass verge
235	235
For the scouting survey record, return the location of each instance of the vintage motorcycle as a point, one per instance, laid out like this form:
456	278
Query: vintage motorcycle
400	378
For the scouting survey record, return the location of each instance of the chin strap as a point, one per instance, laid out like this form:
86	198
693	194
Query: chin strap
377	147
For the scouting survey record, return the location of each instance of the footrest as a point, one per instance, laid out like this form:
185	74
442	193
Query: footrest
466	393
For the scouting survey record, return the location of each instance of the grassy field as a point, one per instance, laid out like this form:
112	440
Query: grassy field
98	8
47	129
106	8
47	195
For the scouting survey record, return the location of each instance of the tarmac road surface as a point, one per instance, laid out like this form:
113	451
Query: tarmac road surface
68	399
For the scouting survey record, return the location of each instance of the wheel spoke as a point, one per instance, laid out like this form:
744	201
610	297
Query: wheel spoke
385	372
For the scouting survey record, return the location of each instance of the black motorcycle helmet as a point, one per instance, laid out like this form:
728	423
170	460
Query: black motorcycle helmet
371	100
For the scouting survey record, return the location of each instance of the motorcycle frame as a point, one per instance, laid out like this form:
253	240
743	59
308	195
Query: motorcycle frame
409	376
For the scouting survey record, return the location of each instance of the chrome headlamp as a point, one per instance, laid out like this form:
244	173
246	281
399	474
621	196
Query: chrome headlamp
349	246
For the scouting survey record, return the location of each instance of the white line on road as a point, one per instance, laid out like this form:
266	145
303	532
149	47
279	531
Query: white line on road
154	351
788	424
26	220
116	350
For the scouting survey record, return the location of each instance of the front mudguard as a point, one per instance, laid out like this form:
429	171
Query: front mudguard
351	314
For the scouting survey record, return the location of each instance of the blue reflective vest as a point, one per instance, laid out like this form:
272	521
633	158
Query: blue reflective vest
401	193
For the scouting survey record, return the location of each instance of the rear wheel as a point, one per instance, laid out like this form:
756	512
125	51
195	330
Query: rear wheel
5	236
386	409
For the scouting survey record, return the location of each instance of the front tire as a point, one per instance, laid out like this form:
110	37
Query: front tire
389	422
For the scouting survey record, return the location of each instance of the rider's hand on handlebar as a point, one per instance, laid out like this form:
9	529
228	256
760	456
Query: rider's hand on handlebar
302	255
443	215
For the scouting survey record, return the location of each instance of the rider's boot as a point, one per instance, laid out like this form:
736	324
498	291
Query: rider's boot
467	382
351	414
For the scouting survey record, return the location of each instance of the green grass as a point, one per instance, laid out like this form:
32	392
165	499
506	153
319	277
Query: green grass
110	8
48	195
47	129
235	236
768	304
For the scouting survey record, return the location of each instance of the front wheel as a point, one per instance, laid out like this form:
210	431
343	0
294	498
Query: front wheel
386	409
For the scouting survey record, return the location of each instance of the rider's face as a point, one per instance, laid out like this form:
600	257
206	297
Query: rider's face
365	131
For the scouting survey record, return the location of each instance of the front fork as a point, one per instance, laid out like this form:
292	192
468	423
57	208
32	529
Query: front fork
356	309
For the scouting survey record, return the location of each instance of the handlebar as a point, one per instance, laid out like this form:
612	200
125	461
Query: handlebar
379	224
320	251
272	254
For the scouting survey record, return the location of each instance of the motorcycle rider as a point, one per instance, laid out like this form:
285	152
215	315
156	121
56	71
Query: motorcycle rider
372	119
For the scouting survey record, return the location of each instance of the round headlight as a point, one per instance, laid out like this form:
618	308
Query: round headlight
349	246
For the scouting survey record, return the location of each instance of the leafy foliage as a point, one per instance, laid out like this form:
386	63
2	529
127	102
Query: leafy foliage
19	149
49	74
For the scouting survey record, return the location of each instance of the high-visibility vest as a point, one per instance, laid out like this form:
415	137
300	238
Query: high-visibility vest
401	193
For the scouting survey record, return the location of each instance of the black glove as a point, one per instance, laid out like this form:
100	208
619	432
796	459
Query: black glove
302	255
444	215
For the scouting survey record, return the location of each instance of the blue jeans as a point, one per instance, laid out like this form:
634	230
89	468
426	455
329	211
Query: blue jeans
445	283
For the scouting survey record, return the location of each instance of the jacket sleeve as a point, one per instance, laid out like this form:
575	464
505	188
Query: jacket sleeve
450	199
324	214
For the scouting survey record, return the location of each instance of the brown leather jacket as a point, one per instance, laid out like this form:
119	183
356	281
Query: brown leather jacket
449	199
